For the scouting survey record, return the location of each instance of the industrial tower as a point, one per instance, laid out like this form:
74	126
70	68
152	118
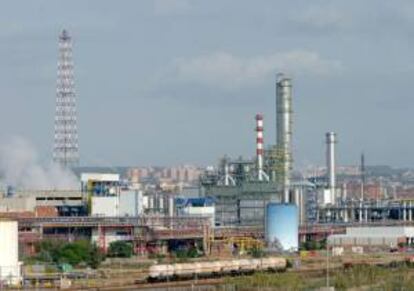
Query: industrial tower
284	133
66	147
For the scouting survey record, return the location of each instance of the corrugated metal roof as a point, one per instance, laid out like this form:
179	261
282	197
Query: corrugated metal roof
195	202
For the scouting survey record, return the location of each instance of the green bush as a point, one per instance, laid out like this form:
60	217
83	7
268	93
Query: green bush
257	252
120	249
75	253
184	254
159	257
313	245
96	257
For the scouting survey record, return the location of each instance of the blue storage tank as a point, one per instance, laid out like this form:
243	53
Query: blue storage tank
282	226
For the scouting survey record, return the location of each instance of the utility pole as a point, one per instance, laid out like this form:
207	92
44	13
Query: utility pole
327	260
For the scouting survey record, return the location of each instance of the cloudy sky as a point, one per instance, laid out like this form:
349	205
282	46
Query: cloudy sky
164	82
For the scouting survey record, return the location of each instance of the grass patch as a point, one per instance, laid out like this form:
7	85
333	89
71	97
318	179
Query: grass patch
369	277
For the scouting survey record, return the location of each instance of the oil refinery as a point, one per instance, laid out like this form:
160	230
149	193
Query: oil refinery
244	215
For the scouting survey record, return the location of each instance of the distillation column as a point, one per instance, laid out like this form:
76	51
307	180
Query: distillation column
284	131
330	164
227	178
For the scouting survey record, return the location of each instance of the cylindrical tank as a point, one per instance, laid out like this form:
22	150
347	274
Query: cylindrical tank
171	206
282	226
151	200
9	253
299	199
160	203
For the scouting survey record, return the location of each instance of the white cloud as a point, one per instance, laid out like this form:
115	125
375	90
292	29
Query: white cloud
171	7
230	71
323	17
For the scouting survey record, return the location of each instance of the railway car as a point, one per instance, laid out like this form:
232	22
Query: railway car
183	270
255	264
214	268
246	266
211	267
226	267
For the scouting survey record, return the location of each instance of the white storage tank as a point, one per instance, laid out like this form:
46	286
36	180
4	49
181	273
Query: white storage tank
9	253
282	226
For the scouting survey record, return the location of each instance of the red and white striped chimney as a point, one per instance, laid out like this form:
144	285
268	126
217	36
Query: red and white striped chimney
259	146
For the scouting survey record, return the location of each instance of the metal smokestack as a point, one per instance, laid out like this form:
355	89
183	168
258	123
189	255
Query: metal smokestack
284	131
261	175
330	163
362	176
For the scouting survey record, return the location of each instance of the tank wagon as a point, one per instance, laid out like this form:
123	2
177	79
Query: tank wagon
214	268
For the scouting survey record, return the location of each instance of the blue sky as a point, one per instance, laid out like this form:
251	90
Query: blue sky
164	82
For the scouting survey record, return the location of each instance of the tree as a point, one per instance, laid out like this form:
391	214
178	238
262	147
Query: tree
95	257
120	249
75	253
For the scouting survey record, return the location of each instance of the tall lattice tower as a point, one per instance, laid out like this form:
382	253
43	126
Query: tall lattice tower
66	147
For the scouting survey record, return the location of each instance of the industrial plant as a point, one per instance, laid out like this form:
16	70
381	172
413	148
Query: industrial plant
256	206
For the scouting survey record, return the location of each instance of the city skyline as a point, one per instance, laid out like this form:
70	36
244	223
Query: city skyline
157	80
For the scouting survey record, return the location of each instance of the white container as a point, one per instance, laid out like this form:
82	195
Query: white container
9	253
210	267
235	265
184	269
273	263
227	266
255	264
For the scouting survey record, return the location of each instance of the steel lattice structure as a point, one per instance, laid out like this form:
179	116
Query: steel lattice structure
66	147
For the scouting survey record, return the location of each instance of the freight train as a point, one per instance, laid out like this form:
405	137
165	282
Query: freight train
214	268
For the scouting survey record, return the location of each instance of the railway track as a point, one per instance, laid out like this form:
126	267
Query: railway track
138	280
155	285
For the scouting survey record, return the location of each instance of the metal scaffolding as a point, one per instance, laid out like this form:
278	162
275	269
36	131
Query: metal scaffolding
66	147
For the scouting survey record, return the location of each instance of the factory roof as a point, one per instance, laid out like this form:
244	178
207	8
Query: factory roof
194	202
303	183
102	177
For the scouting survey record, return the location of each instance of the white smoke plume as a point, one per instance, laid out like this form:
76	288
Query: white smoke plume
20	168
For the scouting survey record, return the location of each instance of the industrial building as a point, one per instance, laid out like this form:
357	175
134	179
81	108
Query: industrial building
100	184
66	203
261	191
196	207
126	203
374	236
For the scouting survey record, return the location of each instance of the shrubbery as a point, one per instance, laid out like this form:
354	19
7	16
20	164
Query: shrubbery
120	249
75	253
184	254
313	245
257	252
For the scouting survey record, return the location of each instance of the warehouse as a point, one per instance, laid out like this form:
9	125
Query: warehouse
380	236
